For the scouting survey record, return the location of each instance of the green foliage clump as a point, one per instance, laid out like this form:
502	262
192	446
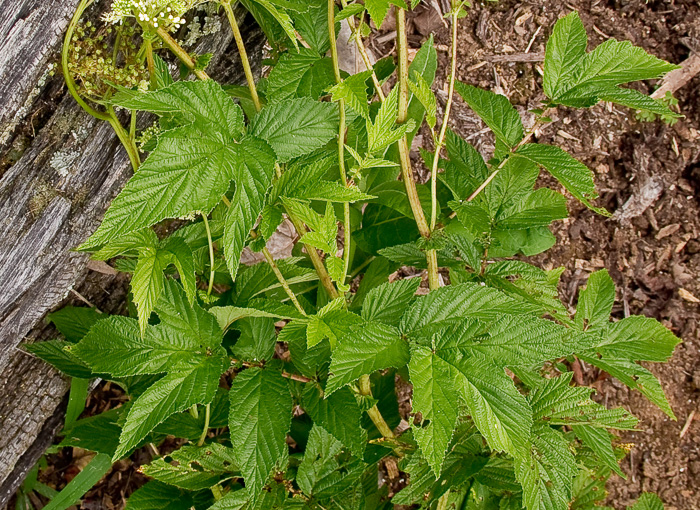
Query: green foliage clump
281	377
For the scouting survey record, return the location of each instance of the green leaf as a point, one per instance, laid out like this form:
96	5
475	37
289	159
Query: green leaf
539	209
83	482
332	321
377	10
302	74
192	165
576	177
437	393
635	99
611	63
339	414
547	471
56	354
370	347
555	402
159	496
421	89
353	90
312	24
190	382
257	340
496	111
281	16
253	179
565	49
599	441
388	302
99	433
74	322
147	283
464	300
261	414
637	338
115	346
465	170
384	131
320	473
194	467
295	127
227	315
647	501
331	192
595	302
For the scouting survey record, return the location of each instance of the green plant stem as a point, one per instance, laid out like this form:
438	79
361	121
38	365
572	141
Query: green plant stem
194	412
363	53
109	116
323	275
440	142
280	277
150	62
70	83
124	138
180	53
207	416
431	255
211	254
242	52
404	158
374	413
341	141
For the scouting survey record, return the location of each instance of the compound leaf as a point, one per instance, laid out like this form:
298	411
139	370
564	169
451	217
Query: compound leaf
190	168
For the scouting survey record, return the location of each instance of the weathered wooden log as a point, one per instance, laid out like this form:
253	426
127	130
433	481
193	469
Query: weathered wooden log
59	170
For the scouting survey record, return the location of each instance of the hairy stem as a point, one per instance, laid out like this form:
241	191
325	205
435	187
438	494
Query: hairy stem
207	416
181	54
374	413
315	259
341	140
404	158
242	53
211	254
280	278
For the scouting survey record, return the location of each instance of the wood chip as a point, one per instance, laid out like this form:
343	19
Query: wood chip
668	230
100	266
688	422
686	295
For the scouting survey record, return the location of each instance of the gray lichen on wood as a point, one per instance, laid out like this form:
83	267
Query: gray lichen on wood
51	199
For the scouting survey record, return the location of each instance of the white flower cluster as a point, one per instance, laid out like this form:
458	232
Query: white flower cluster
156	13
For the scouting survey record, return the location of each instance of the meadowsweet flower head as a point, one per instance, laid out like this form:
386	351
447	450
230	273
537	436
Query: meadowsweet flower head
166	14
